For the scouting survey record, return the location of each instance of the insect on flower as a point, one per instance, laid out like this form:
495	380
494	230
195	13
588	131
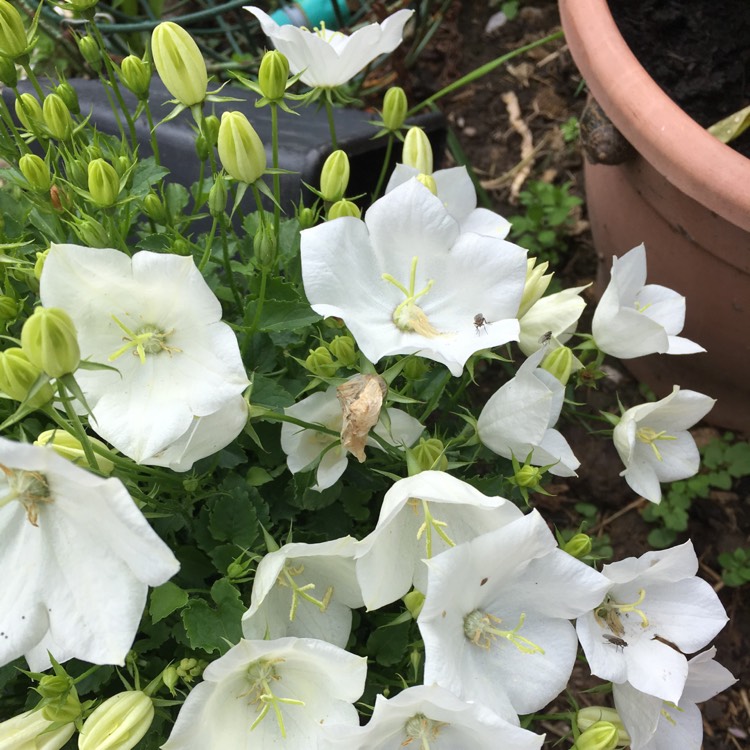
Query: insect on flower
480	322
616	641
545	337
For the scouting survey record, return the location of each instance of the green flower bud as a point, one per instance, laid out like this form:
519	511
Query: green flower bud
17	375
211	127
240	149
119	723
320	363
103	183
536	285
217	197
426	455
8	72
70	96
599	736
588	717
202	149
264	246
179	63
9	309
57	117
578	546
343	208
65	709
68	446
29	111
13	43
36	172
417	151
334	177
154	208
91	233
344	349
428	181
80	6
189	669
77	172
414	602
39	264
50	341
54	687
180	247
135	75
395	107
415	368
306	217
528	476
170	678
559	362
272	75
90	52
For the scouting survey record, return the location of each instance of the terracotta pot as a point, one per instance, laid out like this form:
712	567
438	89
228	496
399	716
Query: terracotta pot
687	196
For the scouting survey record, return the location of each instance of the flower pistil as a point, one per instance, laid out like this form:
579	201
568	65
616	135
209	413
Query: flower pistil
148	339
286	578
420	727
609	611
261	675
408	315
481	629
30	488
649	436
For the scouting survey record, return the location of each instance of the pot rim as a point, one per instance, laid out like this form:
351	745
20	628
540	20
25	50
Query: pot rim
691	158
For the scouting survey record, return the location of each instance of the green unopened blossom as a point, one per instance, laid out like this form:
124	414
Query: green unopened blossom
428	181
217	197
264	246
306	217
65	708
559	362
57	117
320	363
344	208
29	111
119	723
8	72
536	285
18	375
103	183
135	75
273	74
599	736
50	341
413	601
68	446
69	95
590	716
179	63
153	207
426	455
579	545
528	476
334	177
89	49
344	349
395	107
36	172
210	131
13	42
90	232
9	309
240	149
417	152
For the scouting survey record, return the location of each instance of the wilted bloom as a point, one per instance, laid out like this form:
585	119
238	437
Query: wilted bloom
330	58
118	723
240	148
284	692
30	731
76	561
633	319
519	420
176	394
654	443
179	63
407	280
655	609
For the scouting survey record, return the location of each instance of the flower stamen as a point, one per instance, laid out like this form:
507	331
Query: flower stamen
286	578
609	611
148	339
408	315
647	435
420	727
430	523
481	629
260	675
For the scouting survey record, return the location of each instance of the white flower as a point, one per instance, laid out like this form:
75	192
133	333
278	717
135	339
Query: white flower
654	443
330	58
30	731
519	419
280	693
176	395
305	590
432	717
556	314
422	516
654	609
303	446
456	190
406	281
633	319
495	621
657	725
76	559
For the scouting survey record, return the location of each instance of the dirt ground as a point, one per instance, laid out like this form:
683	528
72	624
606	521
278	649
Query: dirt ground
507	152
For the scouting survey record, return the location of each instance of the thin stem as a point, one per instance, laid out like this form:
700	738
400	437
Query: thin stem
7	118
152	131
34	81
384	168
228	266
77	425
209	241
276	176
331	123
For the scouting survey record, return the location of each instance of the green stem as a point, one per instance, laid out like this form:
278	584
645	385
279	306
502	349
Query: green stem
34	81
7	117
331	123
209	241
228	266
384	168
77	426
152	131
276	176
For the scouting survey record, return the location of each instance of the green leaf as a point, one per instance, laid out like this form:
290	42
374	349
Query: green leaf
268	392
215	628
233	519
165	599
387	646
282	315
146	173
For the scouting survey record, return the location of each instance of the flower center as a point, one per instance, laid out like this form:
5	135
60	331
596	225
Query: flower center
286	578
148	339
429	525
409	316
261	675
609	611
423	729
649	436
30	488
481	628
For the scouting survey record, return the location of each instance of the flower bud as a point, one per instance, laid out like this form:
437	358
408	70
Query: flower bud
180	247
334	177
170	677
395	107
217	197
8	72
9	309
50	341
264	246
57	117
90	52
536	285
202	149
70	96
29	111
68	446
592	715
578	546
154	208
135	75
65	708
343	208
344	349
320	363
39	263
426	455
80	6
428	181
77	172
17	375
189	669
306	217
240	149
599	736
103	183
119	723
273	74
91	233
179	63
528	476
13	41
211	125
414	602
31	731
36	172
417	152
559	362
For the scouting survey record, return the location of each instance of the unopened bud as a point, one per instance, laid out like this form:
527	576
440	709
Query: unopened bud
170	678
588	717
103	183
57	117
528	476
135	75
39	263
414	602
91	233
426	455
154	208
559	362
428	181
343	208
179	63
217	197
8	72
578	546
273	74
599	736
90	52
31	731
211	126
334	177
119	723
417	152
12	32
50	341
18	375
240	149
306	217
66	708
68	446
202	149
395	107
29	111
320	363
69	95
9	309
264	246
344	349
36	172
536	285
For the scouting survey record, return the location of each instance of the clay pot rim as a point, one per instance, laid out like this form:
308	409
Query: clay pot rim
692	159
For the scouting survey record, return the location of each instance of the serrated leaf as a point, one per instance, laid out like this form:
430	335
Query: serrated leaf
268	392
233	519
165	599
215	628
282	315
